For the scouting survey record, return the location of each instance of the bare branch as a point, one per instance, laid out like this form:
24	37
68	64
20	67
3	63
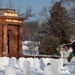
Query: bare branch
71	22
1	3
19	10
10	4
28	13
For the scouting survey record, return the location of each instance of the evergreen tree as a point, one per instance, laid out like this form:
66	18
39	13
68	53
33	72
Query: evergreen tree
59	23
59	30
48	45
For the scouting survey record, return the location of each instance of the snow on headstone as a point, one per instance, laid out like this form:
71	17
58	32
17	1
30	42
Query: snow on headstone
31	61
55	67
36	64
48	70
10	71
61	62
26	68
1	63
51	60
42	65
5	61
21	60
12	61
46	60
59	65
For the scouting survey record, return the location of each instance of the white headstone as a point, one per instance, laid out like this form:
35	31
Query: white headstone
46	60
48	70
26	68
10	71
55	66
36	63
60	64
61	61
5	61
42	65
31	61
21	60
1	63
12	61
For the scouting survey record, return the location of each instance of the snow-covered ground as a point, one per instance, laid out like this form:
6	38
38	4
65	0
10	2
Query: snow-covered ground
37	65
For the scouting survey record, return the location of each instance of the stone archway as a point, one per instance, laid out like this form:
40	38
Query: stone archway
12	40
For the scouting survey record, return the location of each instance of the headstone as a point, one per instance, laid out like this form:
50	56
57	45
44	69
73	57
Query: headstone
55	66
36	64
59	65
31	61
42	65
48	70
10	71
46	60
26	68
1	63
21	60
5	61
12	62
61	62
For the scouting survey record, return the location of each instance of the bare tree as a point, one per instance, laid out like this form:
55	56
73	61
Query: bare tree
30	31
44	13
1	3
10	4
19	10
33	47
28	13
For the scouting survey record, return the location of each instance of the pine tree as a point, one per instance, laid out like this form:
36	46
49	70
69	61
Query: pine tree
59	23
48	45
59	30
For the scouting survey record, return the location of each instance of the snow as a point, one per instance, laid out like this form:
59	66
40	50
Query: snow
37	66
26	48
10	71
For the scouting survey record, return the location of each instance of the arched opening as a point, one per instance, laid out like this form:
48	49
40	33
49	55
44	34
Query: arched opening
8	39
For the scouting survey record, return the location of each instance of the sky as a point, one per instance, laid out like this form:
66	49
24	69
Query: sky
36	5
